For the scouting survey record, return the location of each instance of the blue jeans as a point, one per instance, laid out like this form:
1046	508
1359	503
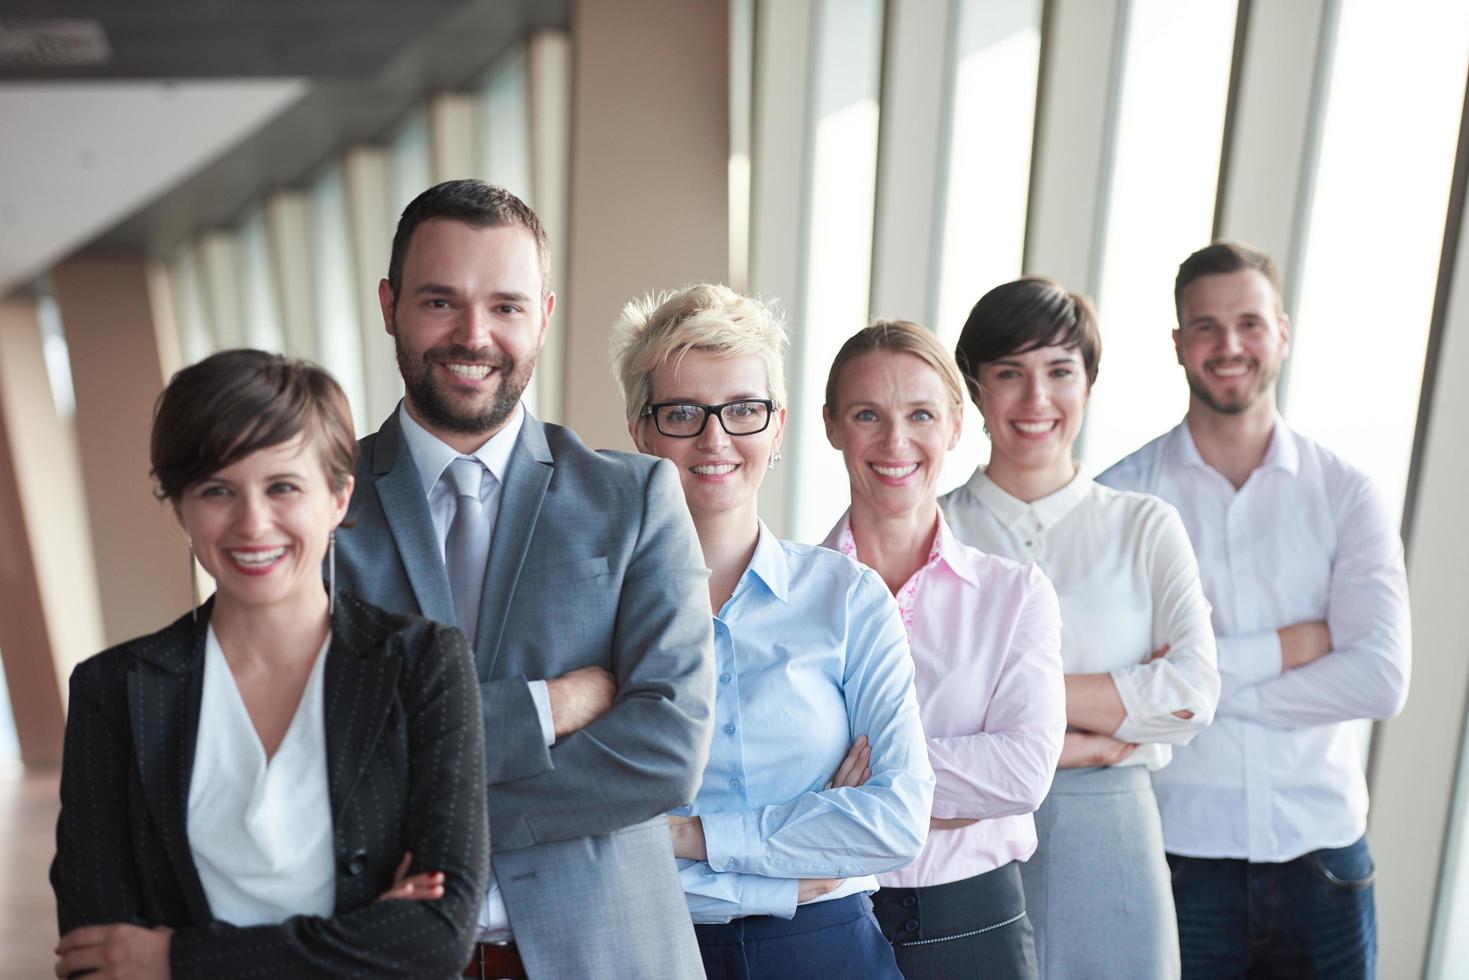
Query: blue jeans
1311	917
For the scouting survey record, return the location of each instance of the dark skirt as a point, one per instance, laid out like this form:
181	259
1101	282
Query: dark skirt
976	927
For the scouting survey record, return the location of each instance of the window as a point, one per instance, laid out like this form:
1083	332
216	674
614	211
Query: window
1376	231
997	64
843	182
1160	208
338	336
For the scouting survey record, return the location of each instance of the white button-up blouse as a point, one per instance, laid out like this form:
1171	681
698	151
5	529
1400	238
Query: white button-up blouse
1128	583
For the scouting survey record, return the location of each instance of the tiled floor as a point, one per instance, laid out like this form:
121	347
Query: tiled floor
28	807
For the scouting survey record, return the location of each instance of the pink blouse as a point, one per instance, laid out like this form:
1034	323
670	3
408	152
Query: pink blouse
985	635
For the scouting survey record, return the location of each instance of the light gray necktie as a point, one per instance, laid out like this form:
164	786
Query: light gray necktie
466	547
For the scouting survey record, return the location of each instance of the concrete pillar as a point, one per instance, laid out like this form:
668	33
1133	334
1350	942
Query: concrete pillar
118	321
649	189
49	610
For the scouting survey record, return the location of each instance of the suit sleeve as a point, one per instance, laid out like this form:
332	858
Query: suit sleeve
446	831
93	874
515	744
646	755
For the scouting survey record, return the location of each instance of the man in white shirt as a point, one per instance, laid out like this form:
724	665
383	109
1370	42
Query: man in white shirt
579	581
1265	812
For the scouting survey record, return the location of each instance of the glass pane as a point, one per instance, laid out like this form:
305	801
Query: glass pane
9	741
505	126
338	335
997	63
409	172
1175	87
196	340
839	254
1372	252
258	293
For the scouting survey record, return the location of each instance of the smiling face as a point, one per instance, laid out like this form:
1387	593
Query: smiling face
260	525
721	474
1231	341
893	422
468	322
1033	404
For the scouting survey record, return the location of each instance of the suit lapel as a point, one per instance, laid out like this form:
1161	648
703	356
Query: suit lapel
526	480
405	508
163	711
359	695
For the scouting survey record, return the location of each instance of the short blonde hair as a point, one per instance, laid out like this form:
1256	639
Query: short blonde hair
705	317
903	336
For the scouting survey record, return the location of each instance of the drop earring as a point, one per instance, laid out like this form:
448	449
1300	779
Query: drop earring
193	580
331	573
774	458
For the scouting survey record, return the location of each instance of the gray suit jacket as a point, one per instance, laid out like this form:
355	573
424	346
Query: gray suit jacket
594	562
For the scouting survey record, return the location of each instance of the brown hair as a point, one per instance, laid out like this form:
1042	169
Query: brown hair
233	403
1222	258
475	203
1023	315
903	336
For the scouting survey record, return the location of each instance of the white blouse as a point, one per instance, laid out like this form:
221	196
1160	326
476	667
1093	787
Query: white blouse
261	832
1128	583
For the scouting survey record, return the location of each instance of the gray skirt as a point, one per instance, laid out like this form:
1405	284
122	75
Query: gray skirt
1097	888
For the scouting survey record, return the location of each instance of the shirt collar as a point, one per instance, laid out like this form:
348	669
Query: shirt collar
770	566
1048	510
432	455
1282	453
950	550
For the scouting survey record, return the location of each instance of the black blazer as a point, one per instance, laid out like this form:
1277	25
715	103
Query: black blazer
405	758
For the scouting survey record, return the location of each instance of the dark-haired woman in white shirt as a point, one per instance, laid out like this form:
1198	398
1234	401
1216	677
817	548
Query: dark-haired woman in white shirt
1136	642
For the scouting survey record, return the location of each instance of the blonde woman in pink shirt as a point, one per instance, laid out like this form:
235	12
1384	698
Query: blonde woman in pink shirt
985	635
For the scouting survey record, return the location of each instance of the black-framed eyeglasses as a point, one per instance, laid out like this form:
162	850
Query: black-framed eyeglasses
685	420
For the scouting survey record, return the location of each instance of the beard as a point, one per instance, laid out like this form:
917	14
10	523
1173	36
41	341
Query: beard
1233	404
437	407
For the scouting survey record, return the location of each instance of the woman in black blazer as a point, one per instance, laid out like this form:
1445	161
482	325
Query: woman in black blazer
255	452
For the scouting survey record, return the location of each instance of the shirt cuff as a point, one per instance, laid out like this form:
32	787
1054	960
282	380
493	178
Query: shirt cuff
540	693
1249	658
770	896
730	839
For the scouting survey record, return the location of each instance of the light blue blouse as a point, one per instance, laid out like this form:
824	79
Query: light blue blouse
810	653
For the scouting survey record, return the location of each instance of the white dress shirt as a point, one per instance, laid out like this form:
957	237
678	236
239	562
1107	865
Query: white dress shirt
1128	584
261	831
1306	538
432	457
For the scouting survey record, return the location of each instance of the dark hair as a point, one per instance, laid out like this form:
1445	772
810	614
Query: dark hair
1221	258
1021	316
901	336
233	403
475	203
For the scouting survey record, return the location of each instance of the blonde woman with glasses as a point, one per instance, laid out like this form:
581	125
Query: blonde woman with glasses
817	778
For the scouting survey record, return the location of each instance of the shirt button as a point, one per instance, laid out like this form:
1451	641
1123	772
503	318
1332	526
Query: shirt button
357	863
734	784
729	729
724	678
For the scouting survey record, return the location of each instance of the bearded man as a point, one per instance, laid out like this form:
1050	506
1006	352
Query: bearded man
578	579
